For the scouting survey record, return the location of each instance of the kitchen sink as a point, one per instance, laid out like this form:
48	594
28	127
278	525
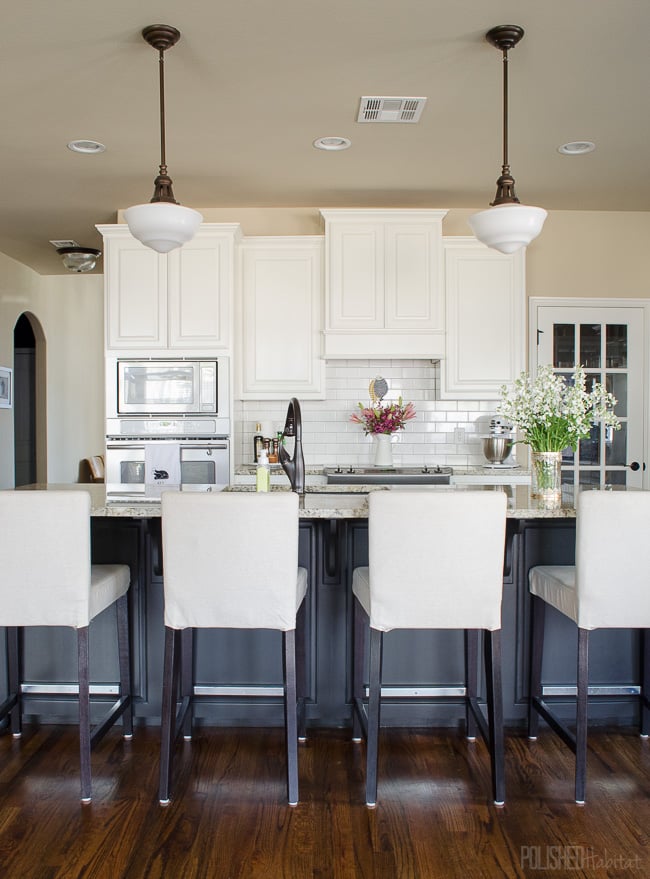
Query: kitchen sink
388	475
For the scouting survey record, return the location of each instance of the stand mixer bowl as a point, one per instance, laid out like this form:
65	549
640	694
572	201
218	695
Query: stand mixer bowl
496	448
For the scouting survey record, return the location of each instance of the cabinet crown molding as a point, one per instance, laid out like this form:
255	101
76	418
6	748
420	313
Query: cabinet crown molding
384	215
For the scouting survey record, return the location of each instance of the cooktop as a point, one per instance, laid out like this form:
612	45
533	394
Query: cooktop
342	475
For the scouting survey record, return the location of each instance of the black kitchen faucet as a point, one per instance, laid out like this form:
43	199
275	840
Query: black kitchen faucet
294	466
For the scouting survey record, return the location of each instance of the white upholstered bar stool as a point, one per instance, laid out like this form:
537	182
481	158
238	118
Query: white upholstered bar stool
230	561
435	562
608	588
47	579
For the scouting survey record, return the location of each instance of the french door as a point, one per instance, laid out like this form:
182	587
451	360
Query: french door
608	341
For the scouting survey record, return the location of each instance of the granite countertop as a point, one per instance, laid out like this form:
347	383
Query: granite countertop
330	501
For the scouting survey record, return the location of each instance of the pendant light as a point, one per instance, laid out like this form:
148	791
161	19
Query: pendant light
163	224
507	225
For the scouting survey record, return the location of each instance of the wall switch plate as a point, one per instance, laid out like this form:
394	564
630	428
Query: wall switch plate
459	435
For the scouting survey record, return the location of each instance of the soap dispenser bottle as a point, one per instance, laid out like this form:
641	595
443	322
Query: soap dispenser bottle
263	472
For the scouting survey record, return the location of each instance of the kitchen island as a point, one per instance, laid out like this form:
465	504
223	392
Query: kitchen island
334	540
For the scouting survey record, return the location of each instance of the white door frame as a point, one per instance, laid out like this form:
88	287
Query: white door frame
535	302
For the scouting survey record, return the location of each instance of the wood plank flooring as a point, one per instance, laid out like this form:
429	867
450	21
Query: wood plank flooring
229	820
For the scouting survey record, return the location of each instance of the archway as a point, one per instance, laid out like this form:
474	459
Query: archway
30	433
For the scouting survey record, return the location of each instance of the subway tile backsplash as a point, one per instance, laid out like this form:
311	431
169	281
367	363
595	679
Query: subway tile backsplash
443	431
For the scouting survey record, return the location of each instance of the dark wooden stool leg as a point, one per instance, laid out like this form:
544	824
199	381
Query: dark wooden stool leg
360	625
290	713
471	680
374	704
14	676
538	614
493	677
123	643
645	682
301	668
581	714
187	679
84	713
168	713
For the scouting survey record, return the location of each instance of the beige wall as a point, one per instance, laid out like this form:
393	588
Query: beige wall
69	309
578	254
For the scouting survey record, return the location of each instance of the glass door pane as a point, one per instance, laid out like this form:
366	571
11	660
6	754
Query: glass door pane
564	345
608	343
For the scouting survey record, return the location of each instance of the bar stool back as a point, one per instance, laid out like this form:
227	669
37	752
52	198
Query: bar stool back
435	562
230	560
607	588
47	580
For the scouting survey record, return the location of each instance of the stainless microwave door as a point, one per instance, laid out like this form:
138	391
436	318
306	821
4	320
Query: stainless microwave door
158	387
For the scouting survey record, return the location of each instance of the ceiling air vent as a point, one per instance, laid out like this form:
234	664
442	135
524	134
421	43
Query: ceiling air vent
67	242
377	109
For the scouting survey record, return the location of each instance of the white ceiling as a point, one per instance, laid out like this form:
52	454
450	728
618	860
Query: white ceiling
252	83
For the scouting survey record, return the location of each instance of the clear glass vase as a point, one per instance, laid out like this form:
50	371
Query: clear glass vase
383	450
546	477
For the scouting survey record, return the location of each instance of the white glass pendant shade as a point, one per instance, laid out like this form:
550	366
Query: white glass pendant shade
162	226
79	259
508	227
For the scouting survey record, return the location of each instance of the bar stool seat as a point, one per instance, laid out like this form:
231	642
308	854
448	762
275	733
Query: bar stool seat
435	562
230	561
607	588
48	580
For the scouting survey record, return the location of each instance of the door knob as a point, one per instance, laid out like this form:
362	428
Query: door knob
634	465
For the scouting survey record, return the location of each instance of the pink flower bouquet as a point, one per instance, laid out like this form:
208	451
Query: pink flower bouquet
387	418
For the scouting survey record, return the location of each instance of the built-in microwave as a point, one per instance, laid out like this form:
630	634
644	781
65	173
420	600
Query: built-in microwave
166	387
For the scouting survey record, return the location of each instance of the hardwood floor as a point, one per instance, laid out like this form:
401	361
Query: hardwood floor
228	817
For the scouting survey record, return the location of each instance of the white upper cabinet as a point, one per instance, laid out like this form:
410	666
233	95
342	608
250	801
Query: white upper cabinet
280	318
178	302
485	319
384	283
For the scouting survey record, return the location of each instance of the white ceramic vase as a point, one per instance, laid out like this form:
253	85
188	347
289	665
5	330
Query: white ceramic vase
383	450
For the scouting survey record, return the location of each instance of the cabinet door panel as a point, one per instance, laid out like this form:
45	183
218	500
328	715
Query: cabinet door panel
135	305
413	297
356	276
485	320
198	294
281	319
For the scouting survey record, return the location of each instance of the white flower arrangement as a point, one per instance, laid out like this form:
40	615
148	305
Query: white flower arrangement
552	413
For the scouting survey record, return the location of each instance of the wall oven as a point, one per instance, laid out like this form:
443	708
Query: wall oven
197	464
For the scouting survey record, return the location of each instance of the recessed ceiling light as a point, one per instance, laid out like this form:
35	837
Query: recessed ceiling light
332	143
576	148
89	147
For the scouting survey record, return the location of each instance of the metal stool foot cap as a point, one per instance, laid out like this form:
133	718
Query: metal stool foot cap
499	803
86	799
293	804
187	738
371	805
302	739
165	802
532	738
17	735
127	737
580	802
356	741
643	735
470	738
